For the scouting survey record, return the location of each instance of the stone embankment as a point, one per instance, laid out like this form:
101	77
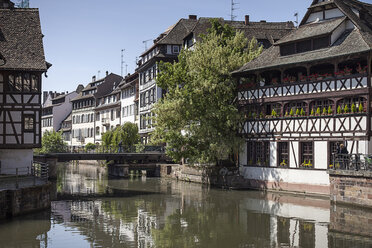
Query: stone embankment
25	199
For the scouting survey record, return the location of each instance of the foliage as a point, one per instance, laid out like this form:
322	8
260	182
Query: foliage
52	142
318	111
126	135
330	111
198	118
297	112
361	109
346	109
90	146
312	112
339	110
291	112
302	113
353	108
324	111
273	113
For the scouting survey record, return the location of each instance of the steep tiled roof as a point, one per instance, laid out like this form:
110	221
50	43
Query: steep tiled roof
260	30
178	32
350	42
21	40
312	30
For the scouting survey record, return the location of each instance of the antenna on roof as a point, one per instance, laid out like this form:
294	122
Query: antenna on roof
232	16
296	15
145	42
122	61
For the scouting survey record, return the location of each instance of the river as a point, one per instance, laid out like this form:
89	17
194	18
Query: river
91	210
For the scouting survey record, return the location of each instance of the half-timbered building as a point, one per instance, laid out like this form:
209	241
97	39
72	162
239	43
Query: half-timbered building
305	95
22	64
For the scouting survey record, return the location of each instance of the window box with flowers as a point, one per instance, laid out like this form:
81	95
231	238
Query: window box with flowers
303	78
361	69
274	81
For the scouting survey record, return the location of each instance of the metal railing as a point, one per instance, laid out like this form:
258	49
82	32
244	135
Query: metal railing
356	161
116	149
26	174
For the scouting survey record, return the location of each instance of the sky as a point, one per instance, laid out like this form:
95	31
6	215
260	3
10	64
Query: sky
85	38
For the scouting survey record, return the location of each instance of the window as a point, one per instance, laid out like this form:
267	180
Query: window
332	149
322	42
176	49
283	154
287	49
303	46
258	153
306	155
29	123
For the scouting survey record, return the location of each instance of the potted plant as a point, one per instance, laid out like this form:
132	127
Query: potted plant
330	111
291	113
283	163
339	110
353	108
297	112
324	111
286	80
274	81
312	112
360	69
346	109
347	71
360	108
273	113
339	73
318	111
292	79
302	113
303	78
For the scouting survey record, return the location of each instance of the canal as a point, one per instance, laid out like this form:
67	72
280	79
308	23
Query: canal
91	210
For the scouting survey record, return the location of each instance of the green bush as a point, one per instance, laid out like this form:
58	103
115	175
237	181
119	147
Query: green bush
52	142
339	110
346	109
90	146
318	111
324	111
330	110
361	109
353	108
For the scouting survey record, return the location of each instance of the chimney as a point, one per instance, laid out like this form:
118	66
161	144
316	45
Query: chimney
263	21
193	17
106	73
45	96
246	19
93	78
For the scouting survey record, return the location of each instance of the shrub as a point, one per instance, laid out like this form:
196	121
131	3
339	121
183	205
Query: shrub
339	110
330	110
291	112
297	112
312	112
302	112
361	109
346	109
318	111
324	111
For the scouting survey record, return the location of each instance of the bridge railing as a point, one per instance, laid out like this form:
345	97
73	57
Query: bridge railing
355	161
115	149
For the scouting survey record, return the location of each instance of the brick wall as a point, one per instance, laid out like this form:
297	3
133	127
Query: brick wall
354	187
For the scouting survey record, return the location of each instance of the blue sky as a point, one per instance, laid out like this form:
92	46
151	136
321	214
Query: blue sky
86	36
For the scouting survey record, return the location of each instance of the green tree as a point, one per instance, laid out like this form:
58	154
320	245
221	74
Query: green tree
198	118
127	134
52	142
90	146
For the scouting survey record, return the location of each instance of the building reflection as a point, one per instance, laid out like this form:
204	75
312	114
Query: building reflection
175	214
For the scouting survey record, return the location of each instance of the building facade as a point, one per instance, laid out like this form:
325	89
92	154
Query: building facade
305	95
129	99
22	64
83	109
165	48
56	107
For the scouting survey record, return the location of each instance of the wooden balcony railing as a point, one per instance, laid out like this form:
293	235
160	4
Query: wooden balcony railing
356	81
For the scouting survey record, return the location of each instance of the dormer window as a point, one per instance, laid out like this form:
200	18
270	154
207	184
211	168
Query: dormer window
176	49
305	45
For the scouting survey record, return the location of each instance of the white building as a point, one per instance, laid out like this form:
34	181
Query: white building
83	109
305	95
165	48
129	99
56	108
22	63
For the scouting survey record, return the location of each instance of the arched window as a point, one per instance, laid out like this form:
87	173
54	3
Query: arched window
82	118
295	107
322	106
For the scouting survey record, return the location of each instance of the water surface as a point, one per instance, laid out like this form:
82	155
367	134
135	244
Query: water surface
153	212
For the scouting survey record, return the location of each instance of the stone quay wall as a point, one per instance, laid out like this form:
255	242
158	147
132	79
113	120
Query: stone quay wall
353	187
24	200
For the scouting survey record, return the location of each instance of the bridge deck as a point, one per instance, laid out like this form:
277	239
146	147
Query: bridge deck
127	157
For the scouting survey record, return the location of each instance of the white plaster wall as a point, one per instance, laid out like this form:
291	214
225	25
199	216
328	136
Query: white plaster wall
243	155
293	154
320	154
300	176
333	13
61	111
286	210
124	103
338	32
273	154
12	159
315	16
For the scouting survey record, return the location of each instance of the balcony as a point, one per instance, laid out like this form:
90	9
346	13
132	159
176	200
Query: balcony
249	92
307	126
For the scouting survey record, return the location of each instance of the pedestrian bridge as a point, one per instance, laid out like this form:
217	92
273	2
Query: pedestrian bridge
141	158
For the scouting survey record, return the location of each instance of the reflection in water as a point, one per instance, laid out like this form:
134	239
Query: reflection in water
176	214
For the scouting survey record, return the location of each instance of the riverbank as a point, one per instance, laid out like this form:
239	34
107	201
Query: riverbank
26	197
